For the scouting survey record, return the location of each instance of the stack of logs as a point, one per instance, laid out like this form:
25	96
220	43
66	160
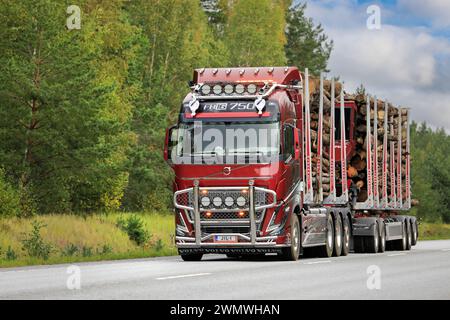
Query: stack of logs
357	162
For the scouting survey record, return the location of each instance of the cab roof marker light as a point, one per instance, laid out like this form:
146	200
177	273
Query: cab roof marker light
228	71
215	71
242	72
256	71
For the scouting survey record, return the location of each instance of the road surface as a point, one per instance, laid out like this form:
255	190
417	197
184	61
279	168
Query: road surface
422	273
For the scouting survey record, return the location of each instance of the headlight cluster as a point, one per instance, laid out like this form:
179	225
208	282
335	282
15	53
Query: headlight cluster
228	89
217	202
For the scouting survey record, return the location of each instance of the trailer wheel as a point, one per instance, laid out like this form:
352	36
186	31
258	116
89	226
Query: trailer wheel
372	243
382	247
192	256
402	243
292	253
346	238
338	237
414	230
326	251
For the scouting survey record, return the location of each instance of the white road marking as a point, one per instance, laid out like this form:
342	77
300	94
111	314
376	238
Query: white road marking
317	262
396	254
184	276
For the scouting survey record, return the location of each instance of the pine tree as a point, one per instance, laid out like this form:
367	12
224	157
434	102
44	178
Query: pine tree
307	45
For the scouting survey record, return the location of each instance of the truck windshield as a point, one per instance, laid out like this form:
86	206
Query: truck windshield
227	142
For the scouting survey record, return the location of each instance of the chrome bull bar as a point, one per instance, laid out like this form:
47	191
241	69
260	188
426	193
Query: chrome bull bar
192	203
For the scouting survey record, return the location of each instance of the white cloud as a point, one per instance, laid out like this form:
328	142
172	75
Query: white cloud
438	11
407	66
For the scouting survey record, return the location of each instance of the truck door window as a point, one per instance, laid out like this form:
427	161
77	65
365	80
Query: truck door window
288	142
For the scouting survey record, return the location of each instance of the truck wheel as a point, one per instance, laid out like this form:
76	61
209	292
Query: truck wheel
382	247
372	243
414	232
402	243
192	256
338	237
346	237
408	235
292	253
326	251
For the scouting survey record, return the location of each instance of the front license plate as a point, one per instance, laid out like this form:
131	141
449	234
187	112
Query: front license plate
225	239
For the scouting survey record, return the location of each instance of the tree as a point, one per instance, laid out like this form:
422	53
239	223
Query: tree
254	33
65	102
179	40
307	45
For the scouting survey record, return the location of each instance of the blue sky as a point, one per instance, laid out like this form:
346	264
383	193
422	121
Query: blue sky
406	61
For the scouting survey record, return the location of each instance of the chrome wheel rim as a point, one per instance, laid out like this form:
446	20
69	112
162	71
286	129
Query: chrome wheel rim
330	235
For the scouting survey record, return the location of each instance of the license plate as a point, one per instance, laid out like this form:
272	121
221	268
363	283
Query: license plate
225	239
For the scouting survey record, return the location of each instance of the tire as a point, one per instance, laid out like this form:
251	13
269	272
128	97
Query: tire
382	246
408	235
292	252
192	257
402	243
326	250
346	237
338	237
415	234
372	243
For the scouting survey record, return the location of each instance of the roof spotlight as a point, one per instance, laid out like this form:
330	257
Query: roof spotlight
205	90
251	88
228	89
217	89
240	88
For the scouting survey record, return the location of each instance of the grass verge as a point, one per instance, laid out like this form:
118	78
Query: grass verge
76	238
434	231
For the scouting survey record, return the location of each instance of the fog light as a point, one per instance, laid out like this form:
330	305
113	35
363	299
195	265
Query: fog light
208	214
241	214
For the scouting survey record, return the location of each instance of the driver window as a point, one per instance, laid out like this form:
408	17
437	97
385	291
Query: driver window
288	142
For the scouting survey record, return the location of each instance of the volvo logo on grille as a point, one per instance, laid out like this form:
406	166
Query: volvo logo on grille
227	171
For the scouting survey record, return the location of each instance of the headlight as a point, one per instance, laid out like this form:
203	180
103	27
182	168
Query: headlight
206	201
241	201
229	201
217	201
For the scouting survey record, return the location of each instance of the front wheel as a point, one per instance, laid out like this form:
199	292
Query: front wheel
292	253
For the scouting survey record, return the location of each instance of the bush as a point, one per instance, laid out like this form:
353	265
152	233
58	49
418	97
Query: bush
105	249
34	245
9	197
135	228
70	250
10	254
159	245
86	251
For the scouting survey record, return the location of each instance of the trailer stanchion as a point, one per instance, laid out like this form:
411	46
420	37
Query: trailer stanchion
331	199
309	192
376	195
384	197
399	160
319	143
408	163
344	196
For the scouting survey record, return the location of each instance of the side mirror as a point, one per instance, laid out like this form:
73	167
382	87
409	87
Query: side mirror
296	144
168	144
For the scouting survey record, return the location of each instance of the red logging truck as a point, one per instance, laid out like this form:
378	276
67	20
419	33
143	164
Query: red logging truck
256	192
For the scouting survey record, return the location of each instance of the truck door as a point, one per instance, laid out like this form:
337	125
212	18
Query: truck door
292	167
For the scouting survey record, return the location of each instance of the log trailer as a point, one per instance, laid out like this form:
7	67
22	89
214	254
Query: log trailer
291	195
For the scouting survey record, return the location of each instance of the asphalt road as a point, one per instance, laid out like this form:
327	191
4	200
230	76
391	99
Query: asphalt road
422	273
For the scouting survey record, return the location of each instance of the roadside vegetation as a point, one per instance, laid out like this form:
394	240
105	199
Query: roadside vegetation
52	239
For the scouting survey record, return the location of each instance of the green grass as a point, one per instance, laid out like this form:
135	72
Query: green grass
434	231
93	232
